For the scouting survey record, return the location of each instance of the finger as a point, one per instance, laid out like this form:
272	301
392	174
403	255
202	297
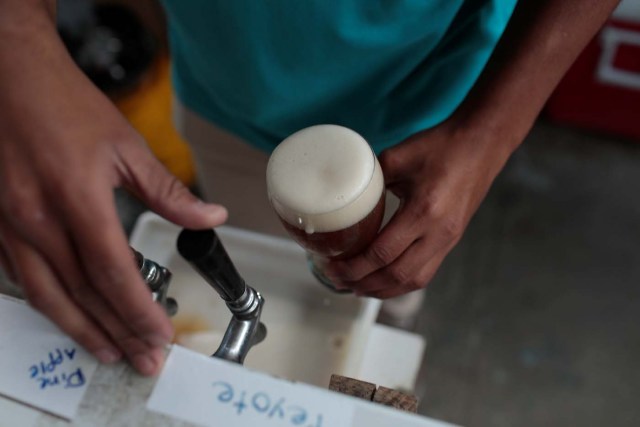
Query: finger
400	279
49	238
141	355
399	163
6	264
392	164
401	274
45	293
150	181
56	249
97	235
393	240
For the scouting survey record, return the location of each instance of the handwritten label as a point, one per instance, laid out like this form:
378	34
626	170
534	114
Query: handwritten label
263	403
47	374
39	365
209	391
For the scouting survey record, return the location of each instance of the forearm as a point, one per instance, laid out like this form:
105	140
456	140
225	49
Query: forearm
540	43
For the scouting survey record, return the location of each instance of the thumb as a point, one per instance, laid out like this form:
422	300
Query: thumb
163	193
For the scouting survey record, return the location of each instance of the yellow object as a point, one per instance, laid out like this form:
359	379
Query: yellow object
148	109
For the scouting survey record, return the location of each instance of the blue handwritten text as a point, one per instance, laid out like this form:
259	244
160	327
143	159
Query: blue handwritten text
54	370
263	403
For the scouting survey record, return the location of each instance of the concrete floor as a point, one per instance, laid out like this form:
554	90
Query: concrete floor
533	318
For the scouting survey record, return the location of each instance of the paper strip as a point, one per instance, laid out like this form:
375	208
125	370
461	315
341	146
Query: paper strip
39	365
213	392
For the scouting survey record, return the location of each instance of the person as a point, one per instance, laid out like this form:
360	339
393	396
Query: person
444	90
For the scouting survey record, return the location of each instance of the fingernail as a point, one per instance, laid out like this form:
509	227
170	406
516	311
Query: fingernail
156	340
334	274
212	209
221	212
331	275
107	356
337	284
144	364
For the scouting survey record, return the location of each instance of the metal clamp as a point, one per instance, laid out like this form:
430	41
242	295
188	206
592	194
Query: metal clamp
158	279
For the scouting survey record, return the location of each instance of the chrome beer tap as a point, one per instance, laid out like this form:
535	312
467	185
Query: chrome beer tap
205	253
203	250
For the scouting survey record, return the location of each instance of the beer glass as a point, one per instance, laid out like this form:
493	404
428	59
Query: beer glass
326	185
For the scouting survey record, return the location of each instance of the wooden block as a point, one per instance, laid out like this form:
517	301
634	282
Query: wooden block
396	399
352	387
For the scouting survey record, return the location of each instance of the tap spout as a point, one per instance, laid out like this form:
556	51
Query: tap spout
205	253
245	329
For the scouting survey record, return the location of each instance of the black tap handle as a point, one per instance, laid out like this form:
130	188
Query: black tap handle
204	251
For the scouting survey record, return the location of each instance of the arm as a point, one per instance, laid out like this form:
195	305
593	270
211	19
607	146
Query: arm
442	174
541	42
63	148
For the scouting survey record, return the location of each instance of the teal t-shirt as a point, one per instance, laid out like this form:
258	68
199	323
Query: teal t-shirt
385	68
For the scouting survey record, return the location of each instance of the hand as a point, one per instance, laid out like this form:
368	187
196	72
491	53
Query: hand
64	148
441	176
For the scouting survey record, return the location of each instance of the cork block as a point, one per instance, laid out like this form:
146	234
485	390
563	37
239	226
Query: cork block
368	391
352	387
395	399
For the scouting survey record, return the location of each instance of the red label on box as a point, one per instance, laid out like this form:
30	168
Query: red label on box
601	91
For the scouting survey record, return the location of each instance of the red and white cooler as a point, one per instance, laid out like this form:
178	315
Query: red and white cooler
601	91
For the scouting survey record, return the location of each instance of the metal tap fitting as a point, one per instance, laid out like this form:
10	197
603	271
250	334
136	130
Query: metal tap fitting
157	278
205	253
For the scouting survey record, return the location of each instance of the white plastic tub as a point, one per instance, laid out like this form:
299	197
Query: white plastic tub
312	332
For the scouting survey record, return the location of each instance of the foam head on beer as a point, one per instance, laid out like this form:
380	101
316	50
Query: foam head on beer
324	179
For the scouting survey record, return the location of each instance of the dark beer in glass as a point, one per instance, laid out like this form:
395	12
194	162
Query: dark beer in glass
326	185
